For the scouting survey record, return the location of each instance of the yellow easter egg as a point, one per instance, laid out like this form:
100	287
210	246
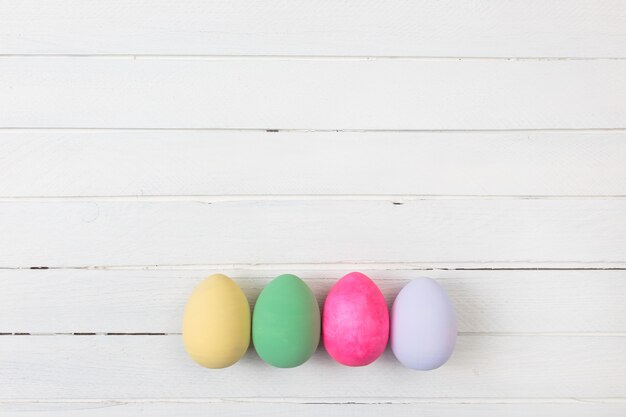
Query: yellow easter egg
216	325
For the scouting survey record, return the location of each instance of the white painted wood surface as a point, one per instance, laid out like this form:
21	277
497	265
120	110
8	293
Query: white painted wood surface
480	143
69	163
152	301
520	232
280	93
449	28
269	408
153	367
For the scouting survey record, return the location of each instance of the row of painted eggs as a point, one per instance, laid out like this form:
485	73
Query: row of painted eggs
355	325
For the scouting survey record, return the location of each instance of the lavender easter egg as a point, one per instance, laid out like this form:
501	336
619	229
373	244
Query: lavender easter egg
423	325
355	321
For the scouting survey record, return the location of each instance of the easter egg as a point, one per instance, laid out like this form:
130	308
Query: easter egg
286	322
216	324
355	323
423	325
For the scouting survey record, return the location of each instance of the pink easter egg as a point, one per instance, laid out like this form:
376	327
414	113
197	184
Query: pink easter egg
355	321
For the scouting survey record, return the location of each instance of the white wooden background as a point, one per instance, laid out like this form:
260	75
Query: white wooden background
145	144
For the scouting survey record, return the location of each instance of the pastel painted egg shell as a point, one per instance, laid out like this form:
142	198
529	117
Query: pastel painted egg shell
423	325
286	322
216	324
355	322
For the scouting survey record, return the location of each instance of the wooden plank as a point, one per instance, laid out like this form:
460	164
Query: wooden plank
482	28
190	408
479	231
119	301
177	163
155	367
269	93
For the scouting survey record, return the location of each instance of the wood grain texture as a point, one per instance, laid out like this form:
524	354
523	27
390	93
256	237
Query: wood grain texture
145	144
583	408
526	231
118	301
50	163
483	28
269	93
153	367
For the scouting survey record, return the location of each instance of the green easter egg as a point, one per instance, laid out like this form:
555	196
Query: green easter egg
286	322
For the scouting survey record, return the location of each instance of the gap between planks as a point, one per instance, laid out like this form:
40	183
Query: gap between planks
263	129
217	57
605	266
327	400
396	199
